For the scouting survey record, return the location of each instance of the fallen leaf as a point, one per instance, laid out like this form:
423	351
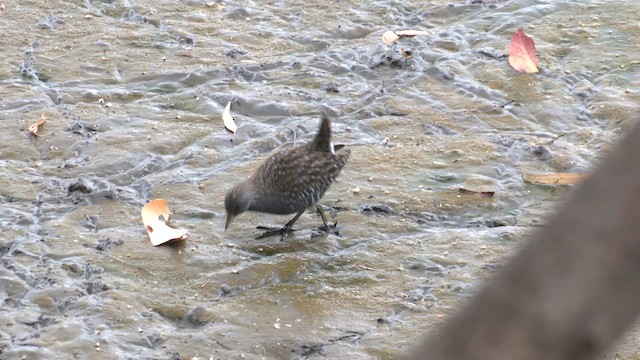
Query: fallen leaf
154	217
481	193
391	36
229	123
411	33
554	178
522	53
34	127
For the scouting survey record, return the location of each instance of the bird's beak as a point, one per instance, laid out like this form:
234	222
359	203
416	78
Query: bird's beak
229	220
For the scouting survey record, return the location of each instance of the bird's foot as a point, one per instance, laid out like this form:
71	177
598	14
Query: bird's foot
272	231
326	229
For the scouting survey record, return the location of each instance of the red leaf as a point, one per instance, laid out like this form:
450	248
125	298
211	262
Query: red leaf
522	53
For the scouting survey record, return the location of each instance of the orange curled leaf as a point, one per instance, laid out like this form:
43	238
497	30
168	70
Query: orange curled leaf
33	128
554	178
522	53
154	217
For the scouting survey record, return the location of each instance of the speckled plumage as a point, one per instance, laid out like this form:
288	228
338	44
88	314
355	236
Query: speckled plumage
291	180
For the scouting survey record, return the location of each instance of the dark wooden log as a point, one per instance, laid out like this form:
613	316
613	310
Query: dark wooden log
572	290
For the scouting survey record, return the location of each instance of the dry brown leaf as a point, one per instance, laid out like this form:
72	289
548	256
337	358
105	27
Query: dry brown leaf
154	217
472	192
391	36
229	123
554	178
33	129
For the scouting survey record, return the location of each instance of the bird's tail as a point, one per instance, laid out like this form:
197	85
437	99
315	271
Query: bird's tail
322	142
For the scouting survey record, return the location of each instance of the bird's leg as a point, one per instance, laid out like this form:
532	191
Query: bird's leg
324	218
285	230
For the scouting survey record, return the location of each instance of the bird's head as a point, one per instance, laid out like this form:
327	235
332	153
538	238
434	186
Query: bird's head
237	201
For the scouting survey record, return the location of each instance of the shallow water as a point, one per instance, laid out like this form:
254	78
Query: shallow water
133	93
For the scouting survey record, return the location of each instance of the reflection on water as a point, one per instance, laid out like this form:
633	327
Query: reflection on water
134	95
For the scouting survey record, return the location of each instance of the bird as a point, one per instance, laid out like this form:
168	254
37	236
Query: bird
290	181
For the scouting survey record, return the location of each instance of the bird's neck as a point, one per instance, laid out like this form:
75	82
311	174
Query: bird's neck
245	194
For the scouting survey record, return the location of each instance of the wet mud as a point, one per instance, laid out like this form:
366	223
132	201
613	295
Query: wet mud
133	94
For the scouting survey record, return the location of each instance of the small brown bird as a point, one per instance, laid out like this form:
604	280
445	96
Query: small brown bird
290	181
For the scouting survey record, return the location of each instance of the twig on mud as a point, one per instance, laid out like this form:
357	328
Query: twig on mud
222	345
510	102
556	138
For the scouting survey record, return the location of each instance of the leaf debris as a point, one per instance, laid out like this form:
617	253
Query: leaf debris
33	128
155	215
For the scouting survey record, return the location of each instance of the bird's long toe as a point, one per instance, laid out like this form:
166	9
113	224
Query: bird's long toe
269	228
282	232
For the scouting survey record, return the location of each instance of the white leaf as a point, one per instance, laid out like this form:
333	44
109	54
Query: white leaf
389	37
229	123
392	36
